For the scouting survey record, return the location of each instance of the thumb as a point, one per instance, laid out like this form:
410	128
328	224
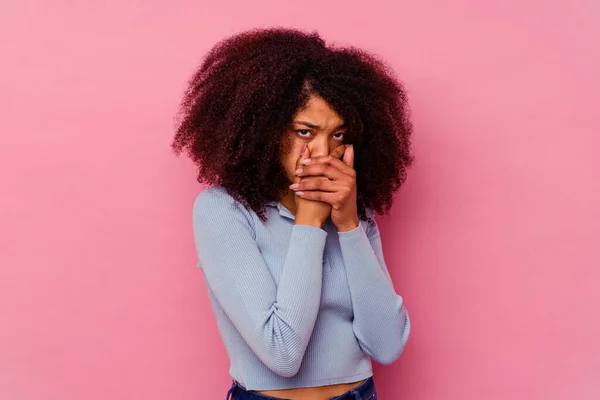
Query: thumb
349	156
338	152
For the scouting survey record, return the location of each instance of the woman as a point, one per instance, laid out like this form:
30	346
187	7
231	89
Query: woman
303	143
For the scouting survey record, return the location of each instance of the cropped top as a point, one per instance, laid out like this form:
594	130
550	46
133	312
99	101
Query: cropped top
296	305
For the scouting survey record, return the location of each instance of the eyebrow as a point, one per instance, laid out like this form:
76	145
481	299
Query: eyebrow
313	126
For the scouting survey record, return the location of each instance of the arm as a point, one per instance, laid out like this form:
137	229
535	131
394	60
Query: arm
275	320
381	323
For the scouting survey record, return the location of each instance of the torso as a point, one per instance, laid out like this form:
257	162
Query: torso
332	335
312	393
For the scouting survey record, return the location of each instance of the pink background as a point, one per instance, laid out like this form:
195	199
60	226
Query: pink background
493	242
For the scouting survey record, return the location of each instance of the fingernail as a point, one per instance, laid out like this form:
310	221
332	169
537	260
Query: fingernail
294	185
305	161
300	193
298	171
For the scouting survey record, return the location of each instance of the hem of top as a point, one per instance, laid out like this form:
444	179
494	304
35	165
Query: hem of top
321	382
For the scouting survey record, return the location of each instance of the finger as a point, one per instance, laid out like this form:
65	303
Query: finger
334	162
304	155
324	185
334	198
338	152
349	156
324	170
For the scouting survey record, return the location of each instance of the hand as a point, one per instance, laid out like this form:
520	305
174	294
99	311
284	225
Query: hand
309	212
338	190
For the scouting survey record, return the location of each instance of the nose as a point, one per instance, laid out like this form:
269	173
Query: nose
319	148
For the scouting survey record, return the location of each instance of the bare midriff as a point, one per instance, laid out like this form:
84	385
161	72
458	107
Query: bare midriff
312	393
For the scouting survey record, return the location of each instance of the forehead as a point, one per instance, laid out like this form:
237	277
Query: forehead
319	112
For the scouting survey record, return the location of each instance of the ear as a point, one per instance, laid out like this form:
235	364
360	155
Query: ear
349	156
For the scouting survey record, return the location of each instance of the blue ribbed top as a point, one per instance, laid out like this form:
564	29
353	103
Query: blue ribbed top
296	305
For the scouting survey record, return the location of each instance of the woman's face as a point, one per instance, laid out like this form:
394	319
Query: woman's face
317	125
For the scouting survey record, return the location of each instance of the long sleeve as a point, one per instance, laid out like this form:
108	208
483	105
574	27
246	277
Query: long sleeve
276	321
381	322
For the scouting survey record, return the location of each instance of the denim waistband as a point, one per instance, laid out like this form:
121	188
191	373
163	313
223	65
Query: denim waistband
364	391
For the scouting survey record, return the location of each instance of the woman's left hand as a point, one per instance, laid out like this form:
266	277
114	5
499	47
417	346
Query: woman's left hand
339	189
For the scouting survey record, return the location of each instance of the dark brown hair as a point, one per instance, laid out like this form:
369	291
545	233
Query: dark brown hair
242	98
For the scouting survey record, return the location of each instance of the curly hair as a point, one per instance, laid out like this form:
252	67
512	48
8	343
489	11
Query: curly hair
241	100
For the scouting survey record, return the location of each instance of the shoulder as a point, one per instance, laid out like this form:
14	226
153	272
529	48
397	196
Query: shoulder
370	228
215	204
369	212
214	197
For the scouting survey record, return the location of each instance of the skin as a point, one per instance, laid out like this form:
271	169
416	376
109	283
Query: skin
325	188
324	177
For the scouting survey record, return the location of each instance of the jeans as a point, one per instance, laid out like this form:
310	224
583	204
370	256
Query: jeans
364	391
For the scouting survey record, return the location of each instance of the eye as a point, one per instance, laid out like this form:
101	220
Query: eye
340	135
302	132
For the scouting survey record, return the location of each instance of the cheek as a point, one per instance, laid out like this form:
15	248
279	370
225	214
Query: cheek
292	157
289	155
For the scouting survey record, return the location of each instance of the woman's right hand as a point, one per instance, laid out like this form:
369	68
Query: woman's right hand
312	212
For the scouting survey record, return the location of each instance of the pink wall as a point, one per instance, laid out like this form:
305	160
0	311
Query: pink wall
494	241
